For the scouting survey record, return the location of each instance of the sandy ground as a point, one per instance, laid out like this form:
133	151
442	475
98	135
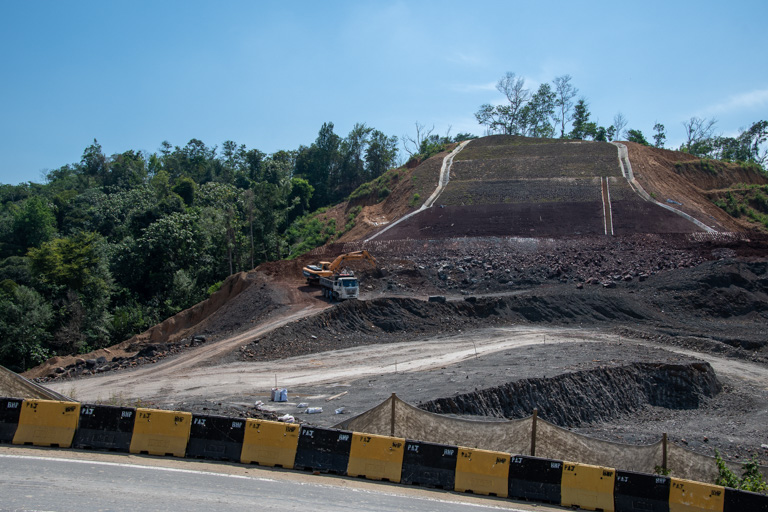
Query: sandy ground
425	369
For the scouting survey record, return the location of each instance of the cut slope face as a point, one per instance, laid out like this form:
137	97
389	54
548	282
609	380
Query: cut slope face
517	186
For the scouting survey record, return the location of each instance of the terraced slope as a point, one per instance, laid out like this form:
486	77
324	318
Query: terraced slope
517	186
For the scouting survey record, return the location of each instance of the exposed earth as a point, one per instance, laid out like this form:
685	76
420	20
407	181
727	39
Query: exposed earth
527	292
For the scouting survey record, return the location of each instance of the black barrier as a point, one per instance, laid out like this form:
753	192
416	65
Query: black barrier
429	464
636	492
741	501
534	478
216	437
323	449
104	427
10	409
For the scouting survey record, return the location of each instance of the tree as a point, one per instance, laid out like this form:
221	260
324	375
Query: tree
319	164
507	119
513	88
73	272
564	94
94	162
380	155
353	170
698	133
619	123
581	125
412	144
636	136
33	224
660	136
536	115
25	323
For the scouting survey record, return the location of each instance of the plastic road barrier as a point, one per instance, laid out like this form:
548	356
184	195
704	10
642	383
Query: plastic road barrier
323	449
216	437
588	487
47	423
535	479
429	464
10	409
740	501
482	472
270	443
641	492
690	496
105	427
376	457
161	432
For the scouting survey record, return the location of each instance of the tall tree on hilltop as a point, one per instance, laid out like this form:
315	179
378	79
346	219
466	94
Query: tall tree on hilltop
619	123
537	113
380	155
659	136
698	134
564	94
506	119
581	124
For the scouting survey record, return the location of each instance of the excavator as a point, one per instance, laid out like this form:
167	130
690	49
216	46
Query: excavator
313	273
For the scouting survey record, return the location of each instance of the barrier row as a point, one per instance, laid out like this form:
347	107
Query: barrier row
398	460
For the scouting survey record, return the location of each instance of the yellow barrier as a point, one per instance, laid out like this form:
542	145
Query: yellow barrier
269	443
376	457
47	423
690	496
161	432
588	487
482	472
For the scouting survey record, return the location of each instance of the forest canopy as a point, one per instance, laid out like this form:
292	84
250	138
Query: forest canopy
111	245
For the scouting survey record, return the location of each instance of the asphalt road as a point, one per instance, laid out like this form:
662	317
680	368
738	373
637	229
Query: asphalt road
57	480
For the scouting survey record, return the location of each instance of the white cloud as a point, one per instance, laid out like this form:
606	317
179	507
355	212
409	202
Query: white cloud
490	86
747	100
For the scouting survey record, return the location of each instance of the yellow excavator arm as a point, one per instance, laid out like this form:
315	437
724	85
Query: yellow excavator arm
313	273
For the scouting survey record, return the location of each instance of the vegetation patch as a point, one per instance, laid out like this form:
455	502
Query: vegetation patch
750	201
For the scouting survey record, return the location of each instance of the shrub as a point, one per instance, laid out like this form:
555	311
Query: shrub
414	200
751	478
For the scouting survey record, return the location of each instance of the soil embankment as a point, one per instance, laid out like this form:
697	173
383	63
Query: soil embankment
590	396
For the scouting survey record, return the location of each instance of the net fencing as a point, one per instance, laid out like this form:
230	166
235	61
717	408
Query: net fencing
394	417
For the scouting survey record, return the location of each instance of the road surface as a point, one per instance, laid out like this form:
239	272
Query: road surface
46	479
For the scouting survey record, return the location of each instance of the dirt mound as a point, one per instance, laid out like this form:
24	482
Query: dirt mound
591	396
390	320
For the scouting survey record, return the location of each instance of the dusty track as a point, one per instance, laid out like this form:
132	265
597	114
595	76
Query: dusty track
140	383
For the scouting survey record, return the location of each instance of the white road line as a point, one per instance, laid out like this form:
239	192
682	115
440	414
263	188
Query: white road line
445	174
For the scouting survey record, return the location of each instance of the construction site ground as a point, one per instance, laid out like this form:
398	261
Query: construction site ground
395	341
511	276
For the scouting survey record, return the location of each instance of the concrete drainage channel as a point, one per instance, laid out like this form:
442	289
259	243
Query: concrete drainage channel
355	454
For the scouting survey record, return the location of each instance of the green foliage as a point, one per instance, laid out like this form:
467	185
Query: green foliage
309	232
214	288
351	217
637	136
185	188
751	478
659	136
414	200
659	470
25	322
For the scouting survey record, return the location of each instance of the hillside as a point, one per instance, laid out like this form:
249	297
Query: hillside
517	186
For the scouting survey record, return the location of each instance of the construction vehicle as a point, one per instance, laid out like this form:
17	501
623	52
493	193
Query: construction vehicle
313	273
340	287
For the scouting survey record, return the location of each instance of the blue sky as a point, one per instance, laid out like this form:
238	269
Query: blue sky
268	74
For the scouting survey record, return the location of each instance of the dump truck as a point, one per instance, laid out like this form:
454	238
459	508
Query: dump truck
340	287
313	273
